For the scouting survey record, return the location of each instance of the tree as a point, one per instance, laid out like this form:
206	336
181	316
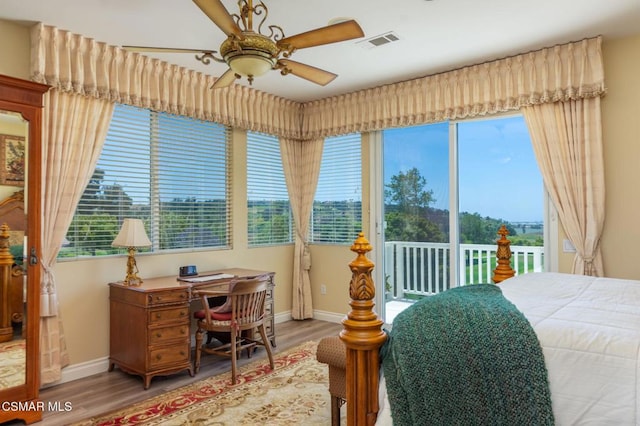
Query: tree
475	229
407	216
92	193
93	234
406	191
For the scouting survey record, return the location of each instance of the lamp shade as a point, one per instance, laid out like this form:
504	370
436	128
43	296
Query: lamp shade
132	234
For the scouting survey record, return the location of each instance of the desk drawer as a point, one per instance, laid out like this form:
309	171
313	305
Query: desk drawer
168	355
164	297
164	334
173	314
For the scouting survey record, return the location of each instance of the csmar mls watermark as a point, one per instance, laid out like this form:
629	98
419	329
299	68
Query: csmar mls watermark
56	406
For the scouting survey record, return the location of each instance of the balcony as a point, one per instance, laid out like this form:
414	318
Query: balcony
414	270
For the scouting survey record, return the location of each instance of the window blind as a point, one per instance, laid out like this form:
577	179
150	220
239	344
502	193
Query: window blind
269	211
337	207
170	171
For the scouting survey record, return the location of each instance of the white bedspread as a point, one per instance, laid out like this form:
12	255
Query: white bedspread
589	329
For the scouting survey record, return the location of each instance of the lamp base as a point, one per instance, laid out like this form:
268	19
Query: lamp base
133	281
132	278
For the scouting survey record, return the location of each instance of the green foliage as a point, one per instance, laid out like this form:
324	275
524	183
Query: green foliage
402	226
409	216
407	192
332	220
183	223
93	234
407	212
269	222
475	229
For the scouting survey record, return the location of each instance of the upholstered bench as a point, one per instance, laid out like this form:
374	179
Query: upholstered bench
333	352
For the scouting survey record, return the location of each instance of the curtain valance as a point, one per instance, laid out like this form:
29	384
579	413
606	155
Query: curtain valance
559	73
72	63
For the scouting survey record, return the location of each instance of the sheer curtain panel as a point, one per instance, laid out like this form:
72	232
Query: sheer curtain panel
301	162
567	141
75	127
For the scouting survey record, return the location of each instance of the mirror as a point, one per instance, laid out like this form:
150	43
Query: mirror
21	103
14	132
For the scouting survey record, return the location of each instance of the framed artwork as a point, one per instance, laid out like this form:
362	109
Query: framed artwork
12	160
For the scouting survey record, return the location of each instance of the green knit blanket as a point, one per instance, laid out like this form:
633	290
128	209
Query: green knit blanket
466	356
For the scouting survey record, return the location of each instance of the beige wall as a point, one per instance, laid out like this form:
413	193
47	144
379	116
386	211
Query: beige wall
82	285
14	49
621	136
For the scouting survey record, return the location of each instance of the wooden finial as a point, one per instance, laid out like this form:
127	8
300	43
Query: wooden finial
503	253
362	336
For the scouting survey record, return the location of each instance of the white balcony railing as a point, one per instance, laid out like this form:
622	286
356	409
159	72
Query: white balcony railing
423	269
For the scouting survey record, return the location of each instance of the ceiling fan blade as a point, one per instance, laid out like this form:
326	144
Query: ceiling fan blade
330	34
164	49
308	72
216	11
225	79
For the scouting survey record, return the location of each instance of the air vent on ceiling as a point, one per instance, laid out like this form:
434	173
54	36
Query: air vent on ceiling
379	40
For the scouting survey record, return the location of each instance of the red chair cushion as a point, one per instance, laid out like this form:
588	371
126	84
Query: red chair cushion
221	316
218	316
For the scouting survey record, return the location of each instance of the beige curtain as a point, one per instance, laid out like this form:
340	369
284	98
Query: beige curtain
558	73
301	162
74	127
76	64
567	141
73	63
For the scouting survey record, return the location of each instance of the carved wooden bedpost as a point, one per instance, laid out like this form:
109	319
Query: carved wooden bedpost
363	337
6	262
503	253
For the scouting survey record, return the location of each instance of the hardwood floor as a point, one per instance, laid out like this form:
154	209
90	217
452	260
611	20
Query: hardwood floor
110	390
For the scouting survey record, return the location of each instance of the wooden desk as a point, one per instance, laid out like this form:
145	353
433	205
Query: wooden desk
150	325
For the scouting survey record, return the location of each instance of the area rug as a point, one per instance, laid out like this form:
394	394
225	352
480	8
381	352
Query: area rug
296	393
12	363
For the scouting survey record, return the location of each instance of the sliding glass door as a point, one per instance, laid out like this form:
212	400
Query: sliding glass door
445	190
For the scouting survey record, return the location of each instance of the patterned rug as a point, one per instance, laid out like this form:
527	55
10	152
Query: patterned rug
12	363
296	393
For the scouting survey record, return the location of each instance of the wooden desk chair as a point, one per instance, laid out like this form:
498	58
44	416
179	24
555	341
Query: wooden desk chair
244	310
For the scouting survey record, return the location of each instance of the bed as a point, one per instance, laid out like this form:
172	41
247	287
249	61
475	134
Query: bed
588	328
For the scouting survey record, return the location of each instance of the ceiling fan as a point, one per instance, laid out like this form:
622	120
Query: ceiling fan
250	53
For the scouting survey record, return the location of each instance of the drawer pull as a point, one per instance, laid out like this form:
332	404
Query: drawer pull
158	335
158	357
158	298
158	316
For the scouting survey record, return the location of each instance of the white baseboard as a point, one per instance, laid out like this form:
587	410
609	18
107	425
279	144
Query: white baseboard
101	365
84	369
328	316
282	317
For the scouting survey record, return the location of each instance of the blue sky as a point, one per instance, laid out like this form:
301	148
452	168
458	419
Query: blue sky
498	174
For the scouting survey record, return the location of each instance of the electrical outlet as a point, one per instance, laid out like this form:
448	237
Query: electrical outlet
323	289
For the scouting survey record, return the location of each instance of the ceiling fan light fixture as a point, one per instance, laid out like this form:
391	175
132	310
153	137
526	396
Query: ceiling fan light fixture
253	52
252	56
251	64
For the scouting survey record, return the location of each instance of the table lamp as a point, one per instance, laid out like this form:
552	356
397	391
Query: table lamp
131	236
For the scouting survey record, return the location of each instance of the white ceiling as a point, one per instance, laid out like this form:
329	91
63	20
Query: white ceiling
435	36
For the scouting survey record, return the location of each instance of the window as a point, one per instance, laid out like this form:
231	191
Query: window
448	187
269	211
170	171
337	207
